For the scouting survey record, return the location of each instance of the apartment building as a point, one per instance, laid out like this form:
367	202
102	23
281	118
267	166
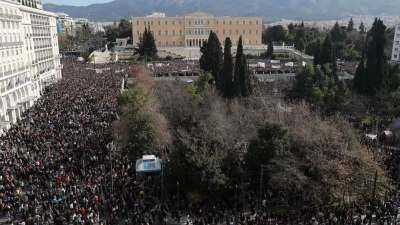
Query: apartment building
189	31
396	44
29	56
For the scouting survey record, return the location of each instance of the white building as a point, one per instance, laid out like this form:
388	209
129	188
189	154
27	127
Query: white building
396	45
29	56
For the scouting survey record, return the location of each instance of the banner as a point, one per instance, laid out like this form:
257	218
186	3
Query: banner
149	163
275	61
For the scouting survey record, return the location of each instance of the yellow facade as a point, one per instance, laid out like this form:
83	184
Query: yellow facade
192	29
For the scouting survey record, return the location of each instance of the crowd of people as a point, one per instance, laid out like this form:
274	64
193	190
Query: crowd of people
56	163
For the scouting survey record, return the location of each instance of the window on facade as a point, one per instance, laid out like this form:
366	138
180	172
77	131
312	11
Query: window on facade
144	22
395	56
256	42
190	32
249	31
230	31
180	42
159	43
217	32
223	32
256	31
180	22
237	22
223	22
166	32
397	42
396	49
216	22
249	42
237	31
173	32
151	22
244	32
190	22
250	22
166	42
180	32
173	22
257	22
230	22
173	42
159	32
138	33
208	22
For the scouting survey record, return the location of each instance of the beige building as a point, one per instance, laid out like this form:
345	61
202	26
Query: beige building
189	31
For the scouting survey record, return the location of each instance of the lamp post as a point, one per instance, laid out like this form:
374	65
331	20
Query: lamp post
236	198
177	193
261	186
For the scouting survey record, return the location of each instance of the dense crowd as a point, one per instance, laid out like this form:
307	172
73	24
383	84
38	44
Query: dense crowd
56	162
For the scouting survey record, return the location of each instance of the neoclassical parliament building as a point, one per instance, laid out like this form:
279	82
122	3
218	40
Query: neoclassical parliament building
190	30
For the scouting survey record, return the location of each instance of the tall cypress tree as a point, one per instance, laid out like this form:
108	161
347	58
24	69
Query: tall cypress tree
377	68
242	83
211	58
270	50
317	54
327	52
359	81
226	76
373	77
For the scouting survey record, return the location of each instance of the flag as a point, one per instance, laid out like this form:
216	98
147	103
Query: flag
9	83
26	79
134	71
16	83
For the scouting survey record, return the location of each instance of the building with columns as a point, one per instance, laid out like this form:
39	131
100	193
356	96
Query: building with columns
29	56
191	30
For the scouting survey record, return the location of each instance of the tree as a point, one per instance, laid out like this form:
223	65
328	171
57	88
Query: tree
302	24
375	74
359	81
361	27
273	140
226	76
350	26
147	45
337	33
270	49
243	83
301	45
197	159
211	58
326	51
317	54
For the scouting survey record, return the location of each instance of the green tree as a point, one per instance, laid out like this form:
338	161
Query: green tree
376	69
147	45
270	49
337	33
361	28
317	54
273	140
326	51
300	45
226	77
359	81
212	57
350	26
197	159
142	135
243	83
